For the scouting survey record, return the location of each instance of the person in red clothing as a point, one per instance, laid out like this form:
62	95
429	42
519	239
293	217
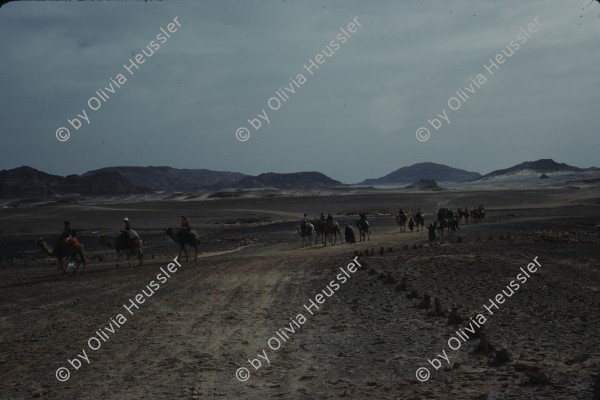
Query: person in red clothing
68	236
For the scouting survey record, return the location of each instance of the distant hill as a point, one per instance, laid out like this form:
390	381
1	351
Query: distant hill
27	182
297	180
425	170
540	166
426	185
174	179
106	182
190	180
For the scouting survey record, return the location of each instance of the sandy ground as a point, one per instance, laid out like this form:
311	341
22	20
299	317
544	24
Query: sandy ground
252	280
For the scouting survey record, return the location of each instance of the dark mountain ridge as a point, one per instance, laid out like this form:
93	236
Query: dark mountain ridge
174	179
543	165
28	182
426	185
297	180
424	170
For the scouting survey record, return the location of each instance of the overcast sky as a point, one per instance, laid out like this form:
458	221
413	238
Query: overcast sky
354	118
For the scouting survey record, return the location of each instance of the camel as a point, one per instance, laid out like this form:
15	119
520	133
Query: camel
332	231
444	213
124	244
183	238
453	226
319	230
363	230
305	231
401	220
481	209
463	214
419	220
66	252
440	225
476	216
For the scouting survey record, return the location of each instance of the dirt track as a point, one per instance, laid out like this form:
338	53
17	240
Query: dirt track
367	339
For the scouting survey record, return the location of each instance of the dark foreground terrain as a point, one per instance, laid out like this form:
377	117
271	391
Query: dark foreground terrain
253	279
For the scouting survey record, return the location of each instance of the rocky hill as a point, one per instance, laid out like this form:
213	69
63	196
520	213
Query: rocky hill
425	170
174	179
297	180
27	182
426	185
540	166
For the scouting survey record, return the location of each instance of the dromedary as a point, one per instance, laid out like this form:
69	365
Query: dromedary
401	220
62	253
420	220
319	230
305	231
332	232
183	238
441	225
363	230
125	244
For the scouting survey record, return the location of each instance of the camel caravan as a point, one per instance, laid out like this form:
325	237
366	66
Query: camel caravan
69	251
327	230
70	255
324	229
447	220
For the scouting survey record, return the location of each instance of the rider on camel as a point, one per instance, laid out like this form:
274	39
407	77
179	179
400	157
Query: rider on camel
186	228
129	230
185	224
68	231
363	218
305	221
68	235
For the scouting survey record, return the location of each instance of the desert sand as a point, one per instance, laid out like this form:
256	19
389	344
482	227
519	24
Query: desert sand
253	278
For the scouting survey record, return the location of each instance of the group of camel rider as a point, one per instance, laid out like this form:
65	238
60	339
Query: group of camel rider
328	219
349	233
417	213
69	237
306	219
